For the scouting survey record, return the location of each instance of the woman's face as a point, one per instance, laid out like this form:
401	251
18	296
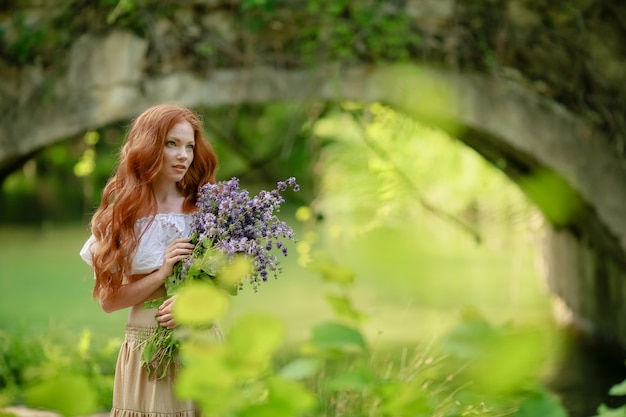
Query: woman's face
178	152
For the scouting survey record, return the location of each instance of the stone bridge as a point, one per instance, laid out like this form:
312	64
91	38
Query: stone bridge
537	89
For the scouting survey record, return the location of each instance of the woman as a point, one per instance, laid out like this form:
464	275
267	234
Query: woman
139	232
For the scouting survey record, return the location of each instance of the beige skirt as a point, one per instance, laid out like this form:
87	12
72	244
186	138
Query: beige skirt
135	394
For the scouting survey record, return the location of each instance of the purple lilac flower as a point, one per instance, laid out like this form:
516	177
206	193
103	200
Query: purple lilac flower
237	223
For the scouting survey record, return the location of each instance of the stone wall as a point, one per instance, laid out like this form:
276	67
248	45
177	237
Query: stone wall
589	286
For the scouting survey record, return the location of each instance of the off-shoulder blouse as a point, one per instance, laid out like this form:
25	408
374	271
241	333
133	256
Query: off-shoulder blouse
155	236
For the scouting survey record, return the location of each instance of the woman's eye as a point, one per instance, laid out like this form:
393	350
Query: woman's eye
190	147
170	143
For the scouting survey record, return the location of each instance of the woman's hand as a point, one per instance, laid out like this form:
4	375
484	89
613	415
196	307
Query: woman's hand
165	316
176	251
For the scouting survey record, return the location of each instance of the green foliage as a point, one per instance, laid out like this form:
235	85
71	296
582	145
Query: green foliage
301	33
28	42
556	199
41	38
236	372
382	168
61	394
518	352
344	380
336	30
87	163
122	7
42	372
478	369
267	5
200	303
18	357
618	389
56	184
380	34
540	403
330	338
261	143
606	411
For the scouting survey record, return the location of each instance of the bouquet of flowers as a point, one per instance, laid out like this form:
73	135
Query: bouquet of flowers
228	222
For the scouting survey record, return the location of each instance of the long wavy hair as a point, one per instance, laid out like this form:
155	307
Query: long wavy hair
129	195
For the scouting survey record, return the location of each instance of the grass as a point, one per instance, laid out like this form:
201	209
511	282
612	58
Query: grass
45	285
413	286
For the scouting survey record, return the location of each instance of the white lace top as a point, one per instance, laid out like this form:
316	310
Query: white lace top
156	236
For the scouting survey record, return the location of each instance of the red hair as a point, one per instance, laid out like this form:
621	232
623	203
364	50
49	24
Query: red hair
129	195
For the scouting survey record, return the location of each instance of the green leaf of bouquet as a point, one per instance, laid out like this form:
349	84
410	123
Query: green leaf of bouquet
300	368
193	272
211	261
338	337
199	304
255	337
156	303
148	352
172	282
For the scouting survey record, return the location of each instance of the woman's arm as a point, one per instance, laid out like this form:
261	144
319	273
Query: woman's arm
139	289
134	292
